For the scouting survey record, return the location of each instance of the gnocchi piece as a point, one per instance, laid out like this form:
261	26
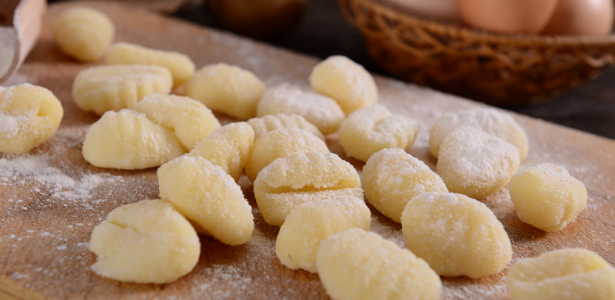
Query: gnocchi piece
83	33
229	89
547	197
373	128
209	197
392	177
317	109
180	65
347	82
310	223
103	88
564	274
228	147
129	140
456	235
475	163
272	122
300	178
29	116
281	143
356	265
489	120
145	242
190	120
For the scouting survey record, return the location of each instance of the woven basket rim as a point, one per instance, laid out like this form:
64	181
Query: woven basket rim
467	33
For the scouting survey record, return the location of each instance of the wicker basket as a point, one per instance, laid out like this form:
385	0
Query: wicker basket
499	69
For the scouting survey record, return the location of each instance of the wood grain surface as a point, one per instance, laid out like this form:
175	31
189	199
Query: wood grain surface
51	199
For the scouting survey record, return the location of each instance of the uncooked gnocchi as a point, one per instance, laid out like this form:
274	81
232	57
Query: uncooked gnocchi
29	116
83	33
129	140
373	128
565	274
310	223
346	82
209	197
179	64
145	242
317	109
456	235
103	88
487	119
281	143
392	177
189	119
272	122
228	147
547	197
475	163
300	178
357	265
229	89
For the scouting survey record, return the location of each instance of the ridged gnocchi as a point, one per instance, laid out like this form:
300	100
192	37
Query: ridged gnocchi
272	122
83	33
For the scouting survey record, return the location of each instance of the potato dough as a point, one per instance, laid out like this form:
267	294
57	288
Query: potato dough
317	109
103	88
272	122
356	265
179	64
145	242
209	197
190	120
475	163
346	82
300	178
310	223
281	143
547	197
456	235
129	140
229	89
29	116
487	119
565	274
83	33
228	147
373	128
392	177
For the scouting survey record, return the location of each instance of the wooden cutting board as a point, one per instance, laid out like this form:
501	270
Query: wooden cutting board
51	199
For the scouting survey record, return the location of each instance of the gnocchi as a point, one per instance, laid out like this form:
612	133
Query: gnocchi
272	122
83	33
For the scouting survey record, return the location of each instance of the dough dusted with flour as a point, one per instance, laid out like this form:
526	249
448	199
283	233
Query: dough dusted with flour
83	33
272	122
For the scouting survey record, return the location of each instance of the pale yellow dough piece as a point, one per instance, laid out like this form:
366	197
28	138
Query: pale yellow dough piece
317	109
29	116
489	120
129	140
392	177
310	223
83	33
269	123
104	88
373	128
281	143
209	197
565	274
300	178
145	242
346	82
357	265
475	163
228	147
229	89
456	235
547	197
190	120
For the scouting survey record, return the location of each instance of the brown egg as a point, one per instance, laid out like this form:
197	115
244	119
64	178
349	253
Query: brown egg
581	17
509	16
438	10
